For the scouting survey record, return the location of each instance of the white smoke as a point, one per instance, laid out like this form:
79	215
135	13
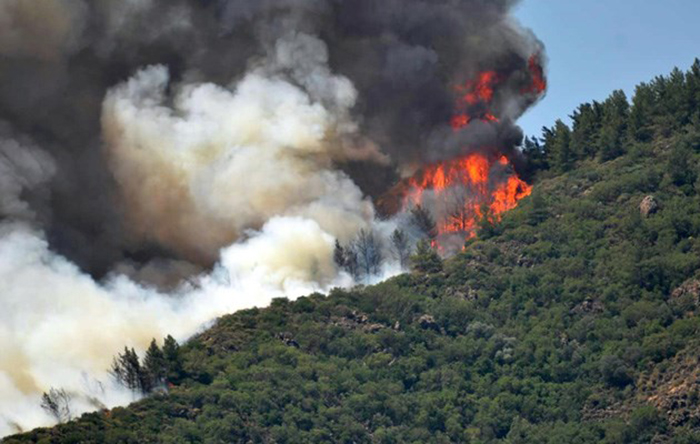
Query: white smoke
58	324
243	175
229	159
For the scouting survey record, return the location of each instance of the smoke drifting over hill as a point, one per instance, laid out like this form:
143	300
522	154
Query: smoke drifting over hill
211	148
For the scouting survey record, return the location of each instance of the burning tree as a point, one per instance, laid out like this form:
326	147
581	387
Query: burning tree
459	214
462	191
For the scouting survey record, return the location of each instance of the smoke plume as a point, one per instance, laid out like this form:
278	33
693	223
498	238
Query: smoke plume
164	163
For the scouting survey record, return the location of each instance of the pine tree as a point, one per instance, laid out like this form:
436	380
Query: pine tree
535	155
339	255
562	156
487	223
351	262
587	121
126	369
425	259
693	89
57	403
642	113
421	219
401	250
173	360
677	100
369	253
615	118
154	366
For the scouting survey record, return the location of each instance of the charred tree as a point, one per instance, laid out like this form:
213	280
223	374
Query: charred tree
57	404
369	254
400	247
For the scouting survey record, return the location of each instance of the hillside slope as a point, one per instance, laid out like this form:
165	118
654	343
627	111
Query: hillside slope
572	320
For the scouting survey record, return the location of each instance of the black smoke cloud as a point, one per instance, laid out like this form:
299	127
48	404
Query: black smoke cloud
59	59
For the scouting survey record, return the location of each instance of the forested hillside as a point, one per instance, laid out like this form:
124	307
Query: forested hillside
574	319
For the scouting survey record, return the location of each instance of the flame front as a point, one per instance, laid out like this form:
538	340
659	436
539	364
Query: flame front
462	191
465	188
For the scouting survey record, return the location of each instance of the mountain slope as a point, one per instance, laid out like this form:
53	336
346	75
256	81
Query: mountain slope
572	320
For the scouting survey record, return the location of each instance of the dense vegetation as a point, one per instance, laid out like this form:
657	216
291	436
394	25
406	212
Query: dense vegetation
573	320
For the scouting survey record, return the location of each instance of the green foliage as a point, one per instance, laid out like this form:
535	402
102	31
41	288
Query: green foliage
557	143
614	127
682	170
587	123
425	259
659	109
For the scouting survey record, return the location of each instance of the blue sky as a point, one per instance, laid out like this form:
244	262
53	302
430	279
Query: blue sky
596	46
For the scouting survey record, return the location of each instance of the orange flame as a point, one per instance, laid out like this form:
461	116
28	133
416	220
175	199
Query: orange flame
539	83
464	185
466	188
473	93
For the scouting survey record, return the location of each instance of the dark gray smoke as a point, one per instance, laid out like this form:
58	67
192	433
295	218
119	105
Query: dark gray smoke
58	59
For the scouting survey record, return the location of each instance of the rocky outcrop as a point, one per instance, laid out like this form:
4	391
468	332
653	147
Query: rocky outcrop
356	321
588	306
648	206
465	292
686	298
288	339
689	289
673	389
427	322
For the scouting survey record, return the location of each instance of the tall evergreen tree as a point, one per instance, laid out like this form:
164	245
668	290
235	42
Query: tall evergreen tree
154	366
613	131
423	220
562	156
369	253
677	100
693	89
425	259
57	403
173	360
538	211
642	113
535	155
400	247
339	254
126	370
587	121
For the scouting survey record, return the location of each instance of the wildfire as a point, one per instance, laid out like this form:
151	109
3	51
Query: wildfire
467	189
463	191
